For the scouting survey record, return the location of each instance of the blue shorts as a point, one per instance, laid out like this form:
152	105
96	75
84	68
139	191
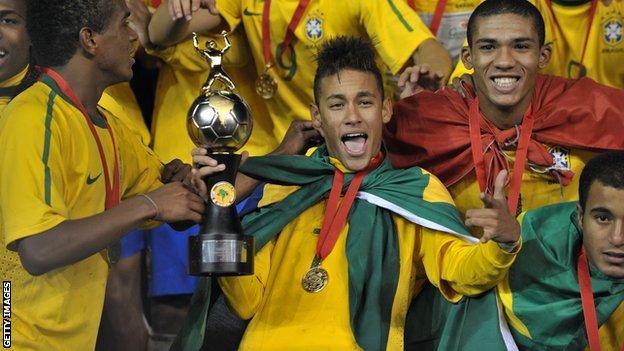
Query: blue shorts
169	252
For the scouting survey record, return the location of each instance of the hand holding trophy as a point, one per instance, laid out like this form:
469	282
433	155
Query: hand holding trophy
220	121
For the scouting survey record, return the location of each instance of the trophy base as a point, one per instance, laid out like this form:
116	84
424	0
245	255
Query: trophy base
221	255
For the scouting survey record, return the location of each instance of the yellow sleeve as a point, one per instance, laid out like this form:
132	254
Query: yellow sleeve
396	30
231	11
32	172
245	293
182	56
140	167
121	101
458	267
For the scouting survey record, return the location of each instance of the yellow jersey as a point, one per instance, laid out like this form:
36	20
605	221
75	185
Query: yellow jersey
538	188
605	47
179	82
394	28
121	96
284	316
50	171
11	82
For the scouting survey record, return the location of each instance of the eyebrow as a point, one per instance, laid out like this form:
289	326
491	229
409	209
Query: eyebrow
492	41
10	12
365	93
600	210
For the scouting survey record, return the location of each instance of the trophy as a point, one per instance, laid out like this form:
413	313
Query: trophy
220	121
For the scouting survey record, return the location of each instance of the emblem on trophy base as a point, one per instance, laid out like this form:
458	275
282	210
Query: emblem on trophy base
220	121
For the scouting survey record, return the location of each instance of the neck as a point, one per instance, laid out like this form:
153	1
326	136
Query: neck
504	117
84	82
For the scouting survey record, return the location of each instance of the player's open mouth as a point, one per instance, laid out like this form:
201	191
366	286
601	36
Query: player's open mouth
355	143
505	84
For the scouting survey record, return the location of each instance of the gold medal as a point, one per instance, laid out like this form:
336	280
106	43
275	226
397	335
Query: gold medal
266	86
315	279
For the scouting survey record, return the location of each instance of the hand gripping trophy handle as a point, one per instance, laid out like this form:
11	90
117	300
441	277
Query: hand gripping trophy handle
220	121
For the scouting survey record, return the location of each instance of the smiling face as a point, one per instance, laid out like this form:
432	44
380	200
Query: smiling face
603	228
350	116
116	46
505	55
14	42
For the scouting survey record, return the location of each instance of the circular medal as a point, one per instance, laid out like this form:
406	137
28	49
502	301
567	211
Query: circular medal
223	194
266	86
315	279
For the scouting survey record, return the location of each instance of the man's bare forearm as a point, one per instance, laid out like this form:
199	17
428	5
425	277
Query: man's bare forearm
164	31
74	240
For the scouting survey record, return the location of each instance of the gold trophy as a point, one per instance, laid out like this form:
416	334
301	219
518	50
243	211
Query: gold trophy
220	121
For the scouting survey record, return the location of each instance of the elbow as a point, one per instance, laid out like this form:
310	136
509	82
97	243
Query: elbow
32	259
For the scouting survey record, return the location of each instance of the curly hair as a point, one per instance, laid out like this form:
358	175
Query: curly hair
344	52
54	26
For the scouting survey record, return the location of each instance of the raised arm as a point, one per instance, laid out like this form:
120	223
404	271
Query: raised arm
168	27
227	42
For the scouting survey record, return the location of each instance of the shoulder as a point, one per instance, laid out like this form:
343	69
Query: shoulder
549	222
31	109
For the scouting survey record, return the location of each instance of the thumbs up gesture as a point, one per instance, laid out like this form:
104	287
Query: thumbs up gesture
497	222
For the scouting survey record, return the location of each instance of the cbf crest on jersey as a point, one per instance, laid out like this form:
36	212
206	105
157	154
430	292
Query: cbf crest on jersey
612	31
314	27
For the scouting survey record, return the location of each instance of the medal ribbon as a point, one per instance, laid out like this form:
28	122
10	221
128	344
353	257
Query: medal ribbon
290	31
437	14
587	300
592	14
113	193
335	213
476	146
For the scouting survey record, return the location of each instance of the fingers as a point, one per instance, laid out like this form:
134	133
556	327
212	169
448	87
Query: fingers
200	187
244	156
499	185
485	223
211	5
175	9
186	9
404	77
199	151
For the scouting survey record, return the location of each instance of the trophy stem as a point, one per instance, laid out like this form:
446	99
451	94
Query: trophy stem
221	248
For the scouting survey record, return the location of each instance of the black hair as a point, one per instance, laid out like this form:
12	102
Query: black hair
344	52
607	168
500	7
54	26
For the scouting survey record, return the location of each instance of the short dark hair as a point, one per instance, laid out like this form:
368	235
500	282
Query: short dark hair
53	26
521	8
344	52
607	168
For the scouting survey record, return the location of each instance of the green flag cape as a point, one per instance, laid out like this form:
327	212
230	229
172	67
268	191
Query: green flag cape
372	245
545	295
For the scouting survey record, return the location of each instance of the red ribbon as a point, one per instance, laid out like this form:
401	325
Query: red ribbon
113	193
592	13
290	31
587	300
478	152
336	212
437	14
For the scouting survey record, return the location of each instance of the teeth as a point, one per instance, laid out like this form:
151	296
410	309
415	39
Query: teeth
505	81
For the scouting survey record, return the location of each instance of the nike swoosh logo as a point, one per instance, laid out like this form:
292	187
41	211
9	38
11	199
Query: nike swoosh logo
92	180
246	12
